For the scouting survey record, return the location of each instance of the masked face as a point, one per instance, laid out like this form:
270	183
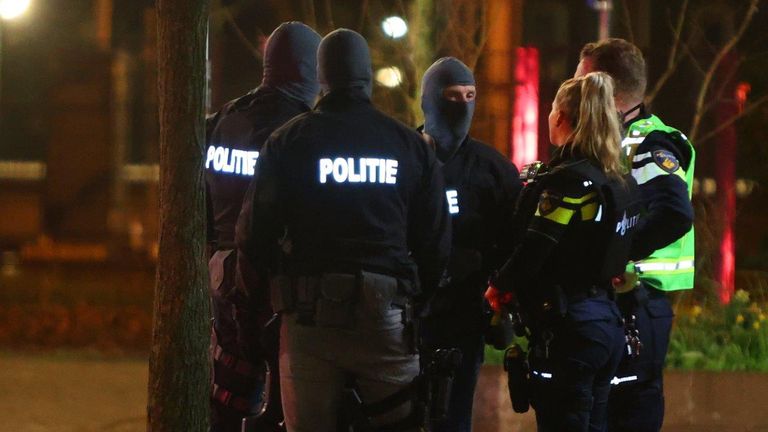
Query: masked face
344	61
448	102
290	62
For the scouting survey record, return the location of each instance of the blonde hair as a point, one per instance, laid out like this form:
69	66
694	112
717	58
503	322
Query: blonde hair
588	102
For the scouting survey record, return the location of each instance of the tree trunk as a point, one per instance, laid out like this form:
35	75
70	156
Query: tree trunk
179	368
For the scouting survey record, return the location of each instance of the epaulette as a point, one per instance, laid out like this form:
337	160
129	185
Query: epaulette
532	171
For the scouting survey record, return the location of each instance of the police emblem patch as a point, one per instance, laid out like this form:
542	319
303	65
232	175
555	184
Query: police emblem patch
548	203
666	161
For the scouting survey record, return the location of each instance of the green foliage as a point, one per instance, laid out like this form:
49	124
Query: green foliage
710	336
716	337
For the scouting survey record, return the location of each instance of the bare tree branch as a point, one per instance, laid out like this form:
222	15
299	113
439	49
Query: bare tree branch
329	15
724	85
710	74
241	36
310	18
674	59
726	124
694	61
363	16
628	21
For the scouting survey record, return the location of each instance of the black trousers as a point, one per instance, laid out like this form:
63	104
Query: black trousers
636	403
571	373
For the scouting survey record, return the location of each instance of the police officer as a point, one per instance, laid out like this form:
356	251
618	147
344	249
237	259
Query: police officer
347	211
481	189
236	134
577	239
662	161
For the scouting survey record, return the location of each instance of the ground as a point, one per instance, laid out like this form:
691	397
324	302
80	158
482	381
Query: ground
85	392
72	393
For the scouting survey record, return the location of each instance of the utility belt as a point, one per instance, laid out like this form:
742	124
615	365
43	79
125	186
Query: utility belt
638	297
340	300
556	298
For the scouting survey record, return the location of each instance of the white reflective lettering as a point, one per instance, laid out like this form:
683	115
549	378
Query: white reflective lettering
373	164
234	161
391	171
250	166
382	168
221	157
229	166
237	158
340	170
326	167
453	201
210	156
626	224
353	177
362	170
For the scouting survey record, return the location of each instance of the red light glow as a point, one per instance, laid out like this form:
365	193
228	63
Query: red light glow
727	265
525	118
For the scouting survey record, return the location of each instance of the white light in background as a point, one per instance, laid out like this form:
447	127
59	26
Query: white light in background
389	76
10	9
394	27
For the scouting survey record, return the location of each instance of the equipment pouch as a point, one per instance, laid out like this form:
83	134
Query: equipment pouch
441	371
378	292
282	295
336	304
516	365
221	272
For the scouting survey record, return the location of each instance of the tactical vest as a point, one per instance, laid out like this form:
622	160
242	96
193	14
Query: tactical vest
670	268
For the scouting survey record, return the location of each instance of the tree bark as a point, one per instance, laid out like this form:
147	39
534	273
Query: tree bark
179	367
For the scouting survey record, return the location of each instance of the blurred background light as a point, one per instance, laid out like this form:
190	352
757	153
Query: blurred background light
394	27
10	9
389	76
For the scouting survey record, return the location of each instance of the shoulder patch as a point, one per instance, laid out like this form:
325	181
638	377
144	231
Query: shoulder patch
666	160
549	202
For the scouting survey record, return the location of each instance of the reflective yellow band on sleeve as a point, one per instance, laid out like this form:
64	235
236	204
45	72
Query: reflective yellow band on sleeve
559	215
585	198
589	211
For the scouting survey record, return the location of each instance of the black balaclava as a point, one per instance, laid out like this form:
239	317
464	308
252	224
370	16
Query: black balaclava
290	62
447	122
344	62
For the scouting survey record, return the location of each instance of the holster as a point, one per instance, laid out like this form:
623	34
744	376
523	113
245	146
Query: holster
516	366
440	372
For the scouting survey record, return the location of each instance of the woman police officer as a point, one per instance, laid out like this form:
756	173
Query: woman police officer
574	239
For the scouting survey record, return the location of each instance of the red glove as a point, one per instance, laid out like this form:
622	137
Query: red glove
497	299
